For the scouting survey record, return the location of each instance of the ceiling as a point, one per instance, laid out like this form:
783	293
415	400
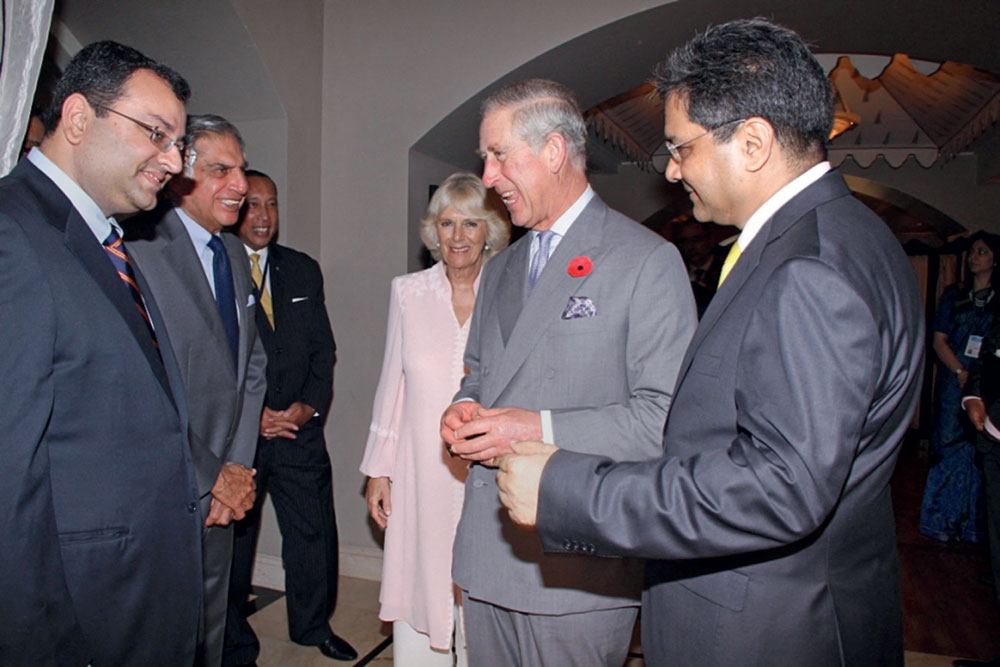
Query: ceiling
897	113
611	62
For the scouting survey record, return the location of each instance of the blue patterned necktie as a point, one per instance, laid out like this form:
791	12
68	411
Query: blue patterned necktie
540	258
123	265
225	294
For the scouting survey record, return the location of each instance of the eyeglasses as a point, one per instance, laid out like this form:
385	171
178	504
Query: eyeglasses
674	149
158	138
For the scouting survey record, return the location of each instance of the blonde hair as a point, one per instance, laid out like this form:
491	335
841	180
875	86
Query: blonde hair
465	192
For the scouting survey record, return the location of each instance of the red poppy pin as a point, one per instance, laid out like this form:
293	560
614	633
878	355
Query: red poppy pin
580	266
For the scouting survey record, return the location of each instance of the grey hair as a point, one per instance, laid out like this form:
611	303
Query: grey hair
465	192
542	106
202	125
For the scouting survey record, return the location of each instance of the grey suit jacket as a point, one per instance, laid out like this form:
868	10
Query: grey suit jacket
771	505
607	380
224	402
100	535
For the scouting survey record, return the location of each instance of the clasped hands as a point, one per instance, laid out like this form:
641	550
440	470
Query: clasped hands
284	423
233	494
507	438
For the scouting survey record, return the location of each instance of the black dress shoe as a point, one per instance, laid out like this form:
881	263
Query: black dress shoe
336	648
995	662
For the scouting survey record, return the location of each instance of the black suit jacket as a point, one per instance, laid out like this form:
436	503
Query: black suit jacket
984	380
300	349
99	525
770	509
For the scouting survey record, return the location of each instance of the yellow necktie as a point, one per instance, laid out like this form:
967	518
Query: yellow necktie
731	258
258	280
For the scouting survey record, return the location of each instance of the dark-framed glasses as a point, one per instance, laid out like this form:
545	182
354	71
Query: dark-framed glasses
674	152
158	137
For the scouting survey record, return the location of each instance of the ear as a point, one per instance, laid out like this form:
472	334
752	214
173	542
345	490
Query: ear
757	142
77	115
556	151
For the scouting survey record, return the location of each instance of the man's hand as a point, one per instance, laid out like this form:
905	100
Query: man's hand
493	431
234	488
377	494
454	417
284	423
519	478
218	514
976	409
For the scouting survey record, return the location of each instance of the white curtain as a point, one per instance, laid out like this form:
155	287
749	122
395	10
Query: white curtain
24	25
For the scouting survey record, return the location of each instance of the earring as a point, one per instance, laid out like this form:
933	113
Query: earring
486	246
437	244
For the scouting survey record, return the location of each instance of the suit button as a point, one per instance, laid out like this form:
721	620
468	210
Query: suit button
192	508
550	373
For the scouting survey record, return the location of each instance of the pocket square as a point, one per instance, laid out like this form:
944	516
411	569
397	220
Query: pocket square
579	306
251	301
296	299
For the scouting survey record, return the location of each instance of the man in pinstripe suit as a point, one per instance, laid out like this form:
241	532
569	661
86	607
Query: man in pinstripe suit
292	461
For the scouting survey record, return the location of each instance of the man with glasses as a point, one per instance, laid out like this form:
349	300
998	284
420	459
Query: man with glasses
768	519
201	279
100	560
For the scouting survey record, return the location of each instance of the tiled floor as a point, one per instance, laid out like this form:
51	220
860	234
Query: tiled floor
356	620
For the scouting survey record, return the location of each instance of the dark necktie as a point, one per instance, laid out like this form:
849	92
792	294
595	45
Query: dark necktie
225	294
116	252
541	257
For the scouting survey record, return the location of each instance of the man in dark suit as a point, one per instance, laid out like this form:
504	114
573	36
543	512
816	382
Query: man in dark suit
982	404
292	461
99	526
202	282
578	332
769	516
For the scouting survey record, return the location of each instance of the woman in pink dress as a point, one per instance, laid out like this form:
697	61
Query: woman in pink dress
415	490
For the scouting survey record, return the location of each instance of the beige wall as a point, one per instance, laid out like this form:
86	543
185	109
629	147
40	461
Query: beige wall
390	72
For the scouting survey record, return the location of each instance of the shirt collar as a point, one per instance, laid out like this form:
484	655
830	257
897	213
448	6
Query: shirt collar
569	216
262	252
779	199
199	235
85	205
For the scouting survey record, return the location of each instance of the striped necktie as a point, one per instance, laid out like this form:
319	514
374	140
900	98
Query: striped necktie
123	265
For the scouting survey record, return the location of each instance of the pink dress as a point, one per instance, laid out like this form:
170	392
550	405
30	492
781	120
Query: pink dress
421	372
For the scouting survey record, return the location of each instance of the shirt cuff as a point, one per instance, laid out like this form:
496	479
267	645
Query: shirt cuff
547	434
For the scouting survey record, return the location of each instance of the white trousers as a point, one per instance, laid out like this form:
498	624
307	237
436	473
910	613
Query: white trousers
411	648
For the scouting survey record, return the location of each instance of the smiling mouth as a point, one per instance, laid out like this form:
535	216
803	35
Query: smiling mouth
158	178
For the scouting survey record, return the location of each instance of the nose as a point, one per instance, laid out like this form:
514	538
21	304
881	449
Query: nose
490	172
673	171
239	182
171	160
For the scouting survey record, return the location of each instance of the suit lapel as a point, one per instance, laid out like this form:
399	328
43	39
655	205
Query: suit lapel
829	186
183	261
279	295
240	264
551	293
510	292
81	242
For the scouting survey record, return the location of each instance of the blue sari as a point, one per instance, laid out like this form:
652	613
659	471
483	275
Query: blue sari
953	505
